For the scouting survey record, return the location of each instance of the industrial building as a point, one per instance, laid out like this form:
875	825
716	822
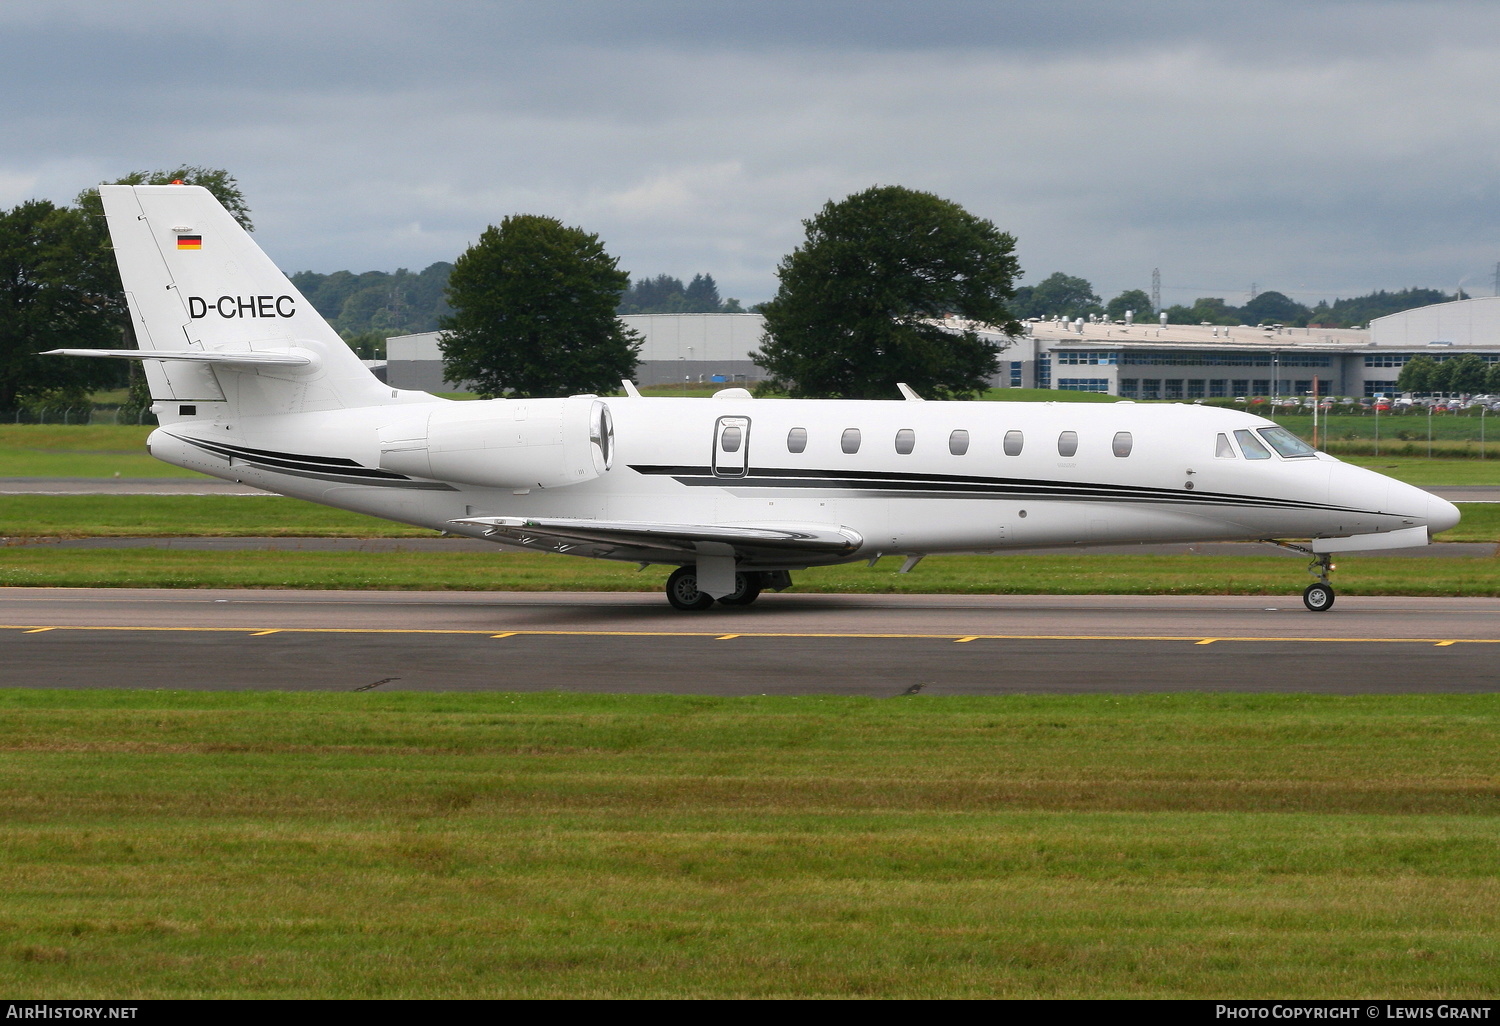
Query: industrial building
1133	361
674	348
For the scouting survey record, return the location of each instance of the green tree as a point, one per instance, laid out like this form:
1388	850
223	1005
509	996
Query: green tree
702	294
1468	374
534	312
1442	376
56	291
1274	308
1063	295
1417	375
1204	310
1132	299
1492	385
854	313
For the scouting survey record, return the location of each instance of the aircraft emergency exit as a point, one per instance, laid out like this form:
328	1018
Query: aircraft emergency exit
250	384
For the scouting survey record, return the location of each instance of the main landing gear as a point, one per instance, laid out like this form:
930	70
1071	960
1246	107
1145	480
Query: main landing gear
1318	596
683	593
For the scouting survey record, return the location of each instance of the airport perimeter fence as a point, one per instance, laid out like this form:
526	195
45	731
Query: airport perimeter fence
82	413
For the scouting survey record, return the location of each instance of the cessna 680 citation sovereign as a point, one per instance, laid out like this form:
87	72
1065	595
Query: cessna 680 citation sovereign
250	384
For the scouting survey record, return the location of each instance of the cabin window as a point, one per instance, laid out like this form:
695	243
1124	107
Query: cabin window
796	440
1122	443
850	442
906	441
1014	441
1251	446
1222	449
1067	443
729	441
958	442
1286	443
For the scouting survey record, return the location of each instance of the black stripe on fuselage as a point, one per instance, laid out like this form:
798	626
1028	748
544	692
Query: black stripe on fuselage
959	486
322	468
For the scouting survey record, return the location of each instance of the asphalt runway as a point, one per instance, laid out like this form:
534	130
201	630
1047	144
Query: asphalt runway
124	486
878	645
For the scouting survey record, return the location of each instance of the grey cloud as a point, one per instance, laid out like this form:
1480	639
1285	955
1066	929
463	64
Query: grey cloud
1336	146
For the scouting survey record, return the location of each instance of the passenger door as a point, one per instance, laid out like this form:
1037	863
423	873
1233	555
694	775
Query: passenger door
731	447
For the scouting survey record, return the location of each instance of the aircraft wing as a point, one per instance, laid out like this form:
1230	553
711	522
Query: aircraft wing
672	543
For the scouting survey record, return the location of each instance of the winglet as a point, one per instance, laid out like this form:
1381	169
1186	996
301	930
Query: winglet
630	388
907	393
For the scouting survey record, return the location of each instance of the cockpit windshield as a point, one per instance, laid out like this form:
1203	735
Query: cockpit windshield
1251	446
1286	443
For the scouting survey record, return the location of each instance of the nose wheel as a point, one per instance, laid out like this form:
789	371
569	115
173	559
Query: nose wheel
1318	597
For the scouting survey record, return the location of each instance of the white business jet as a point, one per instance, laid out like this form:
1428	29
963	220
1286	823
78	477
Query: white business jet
250	384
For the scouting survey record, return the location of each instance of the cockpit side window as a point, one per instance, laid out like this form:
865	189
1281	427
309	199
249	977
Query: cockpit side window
1223	449
1286	443
1251	446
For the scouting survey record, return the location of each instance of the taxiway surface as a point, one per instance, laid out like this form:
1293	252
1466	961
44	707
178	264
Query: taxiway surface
786	644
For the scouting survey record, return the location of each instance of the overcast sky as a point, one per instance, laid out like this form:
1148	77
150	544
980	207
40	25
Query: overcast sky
1316	147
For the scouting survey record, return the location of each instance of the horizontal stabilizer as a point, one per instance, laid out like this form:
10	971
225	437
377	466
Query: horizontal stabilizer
282	358
673	543
1409	538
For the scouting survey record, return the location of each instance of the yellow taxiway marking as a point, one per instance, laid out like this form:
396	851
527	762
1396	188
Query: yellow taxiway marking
1196	639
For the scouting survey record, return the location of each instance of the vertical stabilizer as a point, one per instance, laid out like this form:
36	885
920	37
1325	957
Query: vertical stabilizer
197	282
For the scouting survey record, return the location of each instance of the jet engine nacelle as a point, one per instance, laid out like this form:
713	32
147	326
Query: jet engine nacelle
504	443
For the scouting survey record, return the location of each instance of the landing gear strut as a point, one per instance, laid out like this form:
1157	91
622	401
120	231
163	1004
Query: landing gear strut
1318	596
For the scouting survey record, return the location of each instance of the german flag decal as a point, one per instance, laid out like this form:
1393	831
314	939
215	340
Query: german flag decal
189	242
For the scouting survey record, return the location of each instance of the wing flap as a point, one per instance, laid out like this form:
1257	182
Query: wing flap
664	542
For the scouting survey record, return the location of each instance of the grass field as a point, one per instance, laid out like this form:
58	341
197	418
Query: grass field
97	450
176	516
182	845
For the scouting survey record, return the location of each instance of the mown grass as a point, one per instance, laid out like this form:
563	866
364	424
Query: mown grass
24	566
95	450
181	845
173	516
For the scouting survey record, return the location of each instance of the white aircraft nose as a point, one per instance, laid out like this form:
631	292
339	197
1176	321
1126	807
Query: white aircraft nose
1441	515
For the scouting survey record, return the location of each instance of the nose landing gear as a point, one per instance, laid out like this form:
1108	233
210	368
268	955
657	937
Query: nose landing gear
1318	596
